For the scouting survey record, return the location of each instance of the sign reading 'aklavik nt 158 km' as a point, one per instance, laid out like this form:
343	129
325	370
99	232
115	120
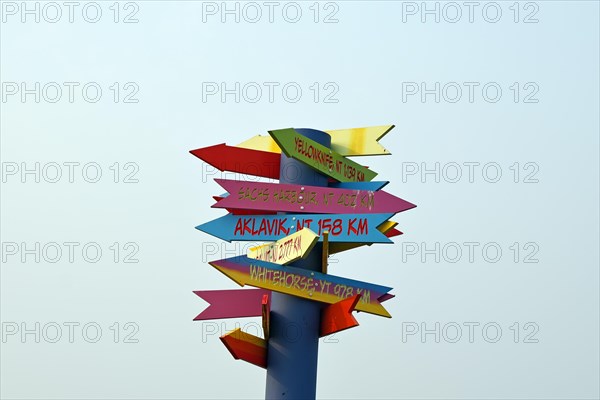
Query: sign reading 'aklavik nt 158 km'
349	212
341	227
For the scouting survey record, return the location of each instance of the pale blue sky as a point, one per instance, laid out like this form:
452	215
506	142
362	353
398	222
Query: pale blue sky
364	61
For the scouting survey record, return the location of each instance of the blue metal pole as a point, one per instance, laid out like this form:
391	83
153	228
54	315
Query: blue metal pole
294	331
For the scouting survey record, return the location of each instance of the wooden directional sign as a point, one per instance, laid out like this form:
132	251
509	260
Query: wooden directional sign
286	250
341	227
347	142
319	157
240	160
247	347
303	283
307	199
235	303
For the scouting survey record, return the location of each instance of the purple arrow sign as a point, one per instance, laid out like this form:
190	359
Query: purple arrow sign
231	303
307	199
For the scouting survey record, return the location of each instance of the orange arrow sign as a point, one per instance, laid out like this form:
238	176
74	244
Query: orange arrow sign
247	347
338	317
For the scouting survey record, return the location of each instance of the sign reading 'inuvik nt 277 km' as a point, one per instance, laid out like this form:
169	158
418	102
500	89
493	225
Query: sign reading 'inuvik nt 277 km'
351	211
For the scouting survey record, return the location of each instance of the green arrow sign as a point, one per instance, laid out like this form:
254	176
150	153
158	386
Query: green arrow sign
319	157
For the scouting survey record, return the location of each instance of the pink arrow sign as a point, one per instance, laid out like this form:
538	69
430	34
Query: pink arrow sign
307	199
235	303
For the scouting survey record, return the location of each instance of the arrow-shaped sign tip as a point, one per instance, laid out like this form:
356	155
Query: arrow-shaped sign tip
338	316
230	273
247	347
204	153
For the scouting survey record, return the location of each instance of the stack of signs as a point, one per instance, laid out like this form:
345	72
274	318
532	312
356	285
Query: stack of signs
351	211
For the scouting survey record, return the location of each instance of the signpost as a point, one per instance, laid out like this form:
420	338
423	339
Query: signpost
323	204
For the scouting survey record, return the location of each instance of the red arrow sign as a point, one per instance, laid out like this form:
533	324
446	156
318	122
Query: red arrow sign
240	160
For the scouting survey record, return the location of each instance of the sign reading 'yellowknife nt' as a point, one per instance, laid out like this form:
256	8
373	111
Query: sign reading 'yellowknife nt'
331	163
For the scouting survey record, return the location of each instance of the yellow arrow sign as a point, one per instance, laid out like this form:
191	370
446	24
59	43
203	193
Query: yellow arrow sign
347	142
360	141
286	250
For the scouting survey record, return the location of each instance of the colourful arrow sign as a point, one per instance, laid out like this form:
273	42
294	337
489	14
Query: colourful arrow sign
307	199
247	347
360	141
319	157
235	303
303	283
286	250
240	160
341	227
347	142
338	316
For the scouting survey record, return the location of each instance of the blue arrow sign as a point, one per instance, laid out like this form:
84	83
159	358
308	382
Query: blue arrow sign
372	186
342	227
